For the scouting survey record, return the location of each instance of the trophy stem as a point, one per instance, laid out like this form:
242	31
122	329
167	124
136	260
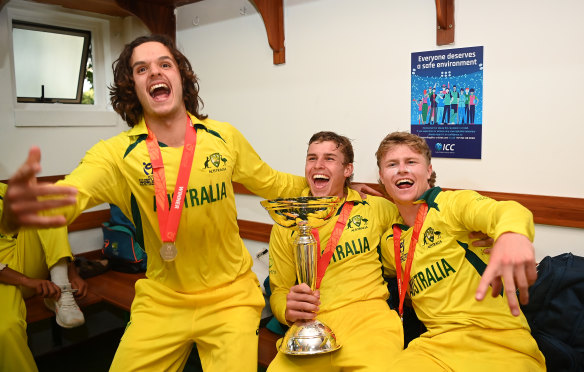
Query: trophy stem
305	337
306	256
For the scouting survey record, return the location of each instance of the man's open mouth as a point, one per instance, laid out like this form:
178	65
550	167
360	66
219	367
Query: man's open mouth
320	180
405	183
159	91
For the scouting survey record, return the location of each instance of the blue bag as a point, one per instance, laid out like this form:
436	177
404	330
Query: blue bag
120	245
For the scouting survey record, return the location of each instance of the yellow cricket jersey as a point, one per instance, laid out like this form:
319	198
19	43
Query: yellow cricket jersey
354	271
210	251
7	241
446	269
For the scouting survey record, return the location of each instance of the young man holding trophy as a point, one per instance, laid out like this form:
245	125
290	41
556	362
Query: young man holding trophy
351	297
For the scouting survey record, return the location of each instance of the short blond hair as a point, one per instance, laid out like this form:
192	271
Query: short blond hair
416	143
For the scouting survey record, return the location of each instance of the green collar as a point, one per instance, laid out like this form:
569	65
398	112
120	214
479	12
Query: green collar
429	196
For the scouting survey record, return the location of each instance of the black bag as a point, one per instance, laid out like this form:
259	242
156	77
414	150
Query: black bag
119	244
556	312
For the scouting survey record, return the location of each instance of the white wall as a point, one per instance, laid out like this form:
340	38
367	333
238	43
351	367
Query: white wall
348	69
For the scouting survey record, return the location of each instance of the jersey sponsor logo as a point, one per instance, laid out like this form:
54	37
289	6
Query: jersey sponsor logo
429	276
198	197
351	248
357	222
432	237
149	172
215	160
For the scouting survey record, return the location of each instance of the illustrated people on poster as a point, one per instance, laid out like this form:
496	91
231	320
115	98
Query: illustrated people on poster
440	101
466	105
433	106
419	103
461	107
472	102
429	117
447	98
424	106
454	105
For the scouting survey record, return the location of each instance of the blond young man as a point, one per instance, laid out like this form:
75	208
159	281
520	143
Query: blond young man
446	278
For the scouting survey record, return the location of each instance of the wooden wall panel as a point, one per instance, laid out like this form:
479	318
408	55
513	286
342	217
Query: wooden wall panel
547	210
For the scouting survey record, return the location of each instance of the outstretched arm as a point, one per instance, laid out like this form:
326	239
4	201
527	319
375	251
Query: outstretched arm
512	263
21	201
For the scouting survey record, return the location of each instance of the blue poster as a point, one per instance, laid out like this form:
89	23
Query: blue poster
447	101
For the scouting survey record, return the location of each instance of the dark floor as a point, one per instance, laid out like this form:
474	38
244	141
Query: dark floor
95	355
89	348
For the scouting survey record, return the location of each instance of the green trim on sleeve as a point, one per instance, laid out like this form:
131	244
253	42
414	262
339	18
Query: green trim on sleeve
141	138
475	261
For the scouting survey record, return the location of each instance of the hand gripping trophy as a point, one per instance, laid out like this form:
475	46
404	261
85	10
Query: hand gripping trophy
307	337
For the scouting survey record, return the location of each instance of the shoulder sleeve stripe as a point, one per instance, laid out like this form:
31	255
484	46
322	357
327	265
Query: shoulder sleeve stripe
141	138
210	131
137	218
475	261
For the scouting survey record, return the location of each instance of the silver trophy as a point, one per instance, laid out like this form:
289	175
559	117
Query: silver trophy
305	337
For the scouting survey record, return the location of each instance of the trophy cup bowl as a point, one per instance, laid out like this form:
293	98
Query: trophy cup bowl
305	337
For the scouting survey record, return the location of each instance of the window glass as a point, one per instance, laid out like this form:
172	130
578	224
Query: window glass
50	63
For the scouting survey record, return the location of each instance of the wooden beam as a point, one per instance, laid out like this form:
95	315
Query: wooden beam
158	17
272	12
108	7
2	3
444	22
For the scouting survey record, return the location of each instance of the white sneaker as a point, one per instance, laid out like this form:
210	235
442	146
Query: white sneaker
68	314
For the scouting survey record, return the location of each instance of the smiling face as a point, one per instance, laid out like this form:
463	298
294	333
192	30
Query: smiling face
325	169
157	80
404	173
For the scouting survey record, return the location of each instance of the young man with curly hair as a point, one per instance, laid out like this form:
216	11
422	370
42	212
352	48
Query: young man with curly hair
172	175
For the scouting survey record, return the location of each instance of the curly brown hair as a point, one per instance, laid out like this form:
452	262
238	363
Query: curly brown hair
123	95
343	144
416	143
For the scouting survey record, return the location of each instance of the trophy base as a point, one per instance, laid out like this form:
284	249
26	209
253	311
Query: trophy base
309	338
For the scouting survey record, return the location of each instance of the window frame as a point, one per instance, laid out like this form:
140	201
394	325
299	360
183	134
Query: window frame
86	35
28	114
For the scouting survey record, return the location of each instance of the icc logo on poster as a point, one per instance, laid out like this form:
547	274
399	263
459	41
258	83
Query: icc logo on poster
445	147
